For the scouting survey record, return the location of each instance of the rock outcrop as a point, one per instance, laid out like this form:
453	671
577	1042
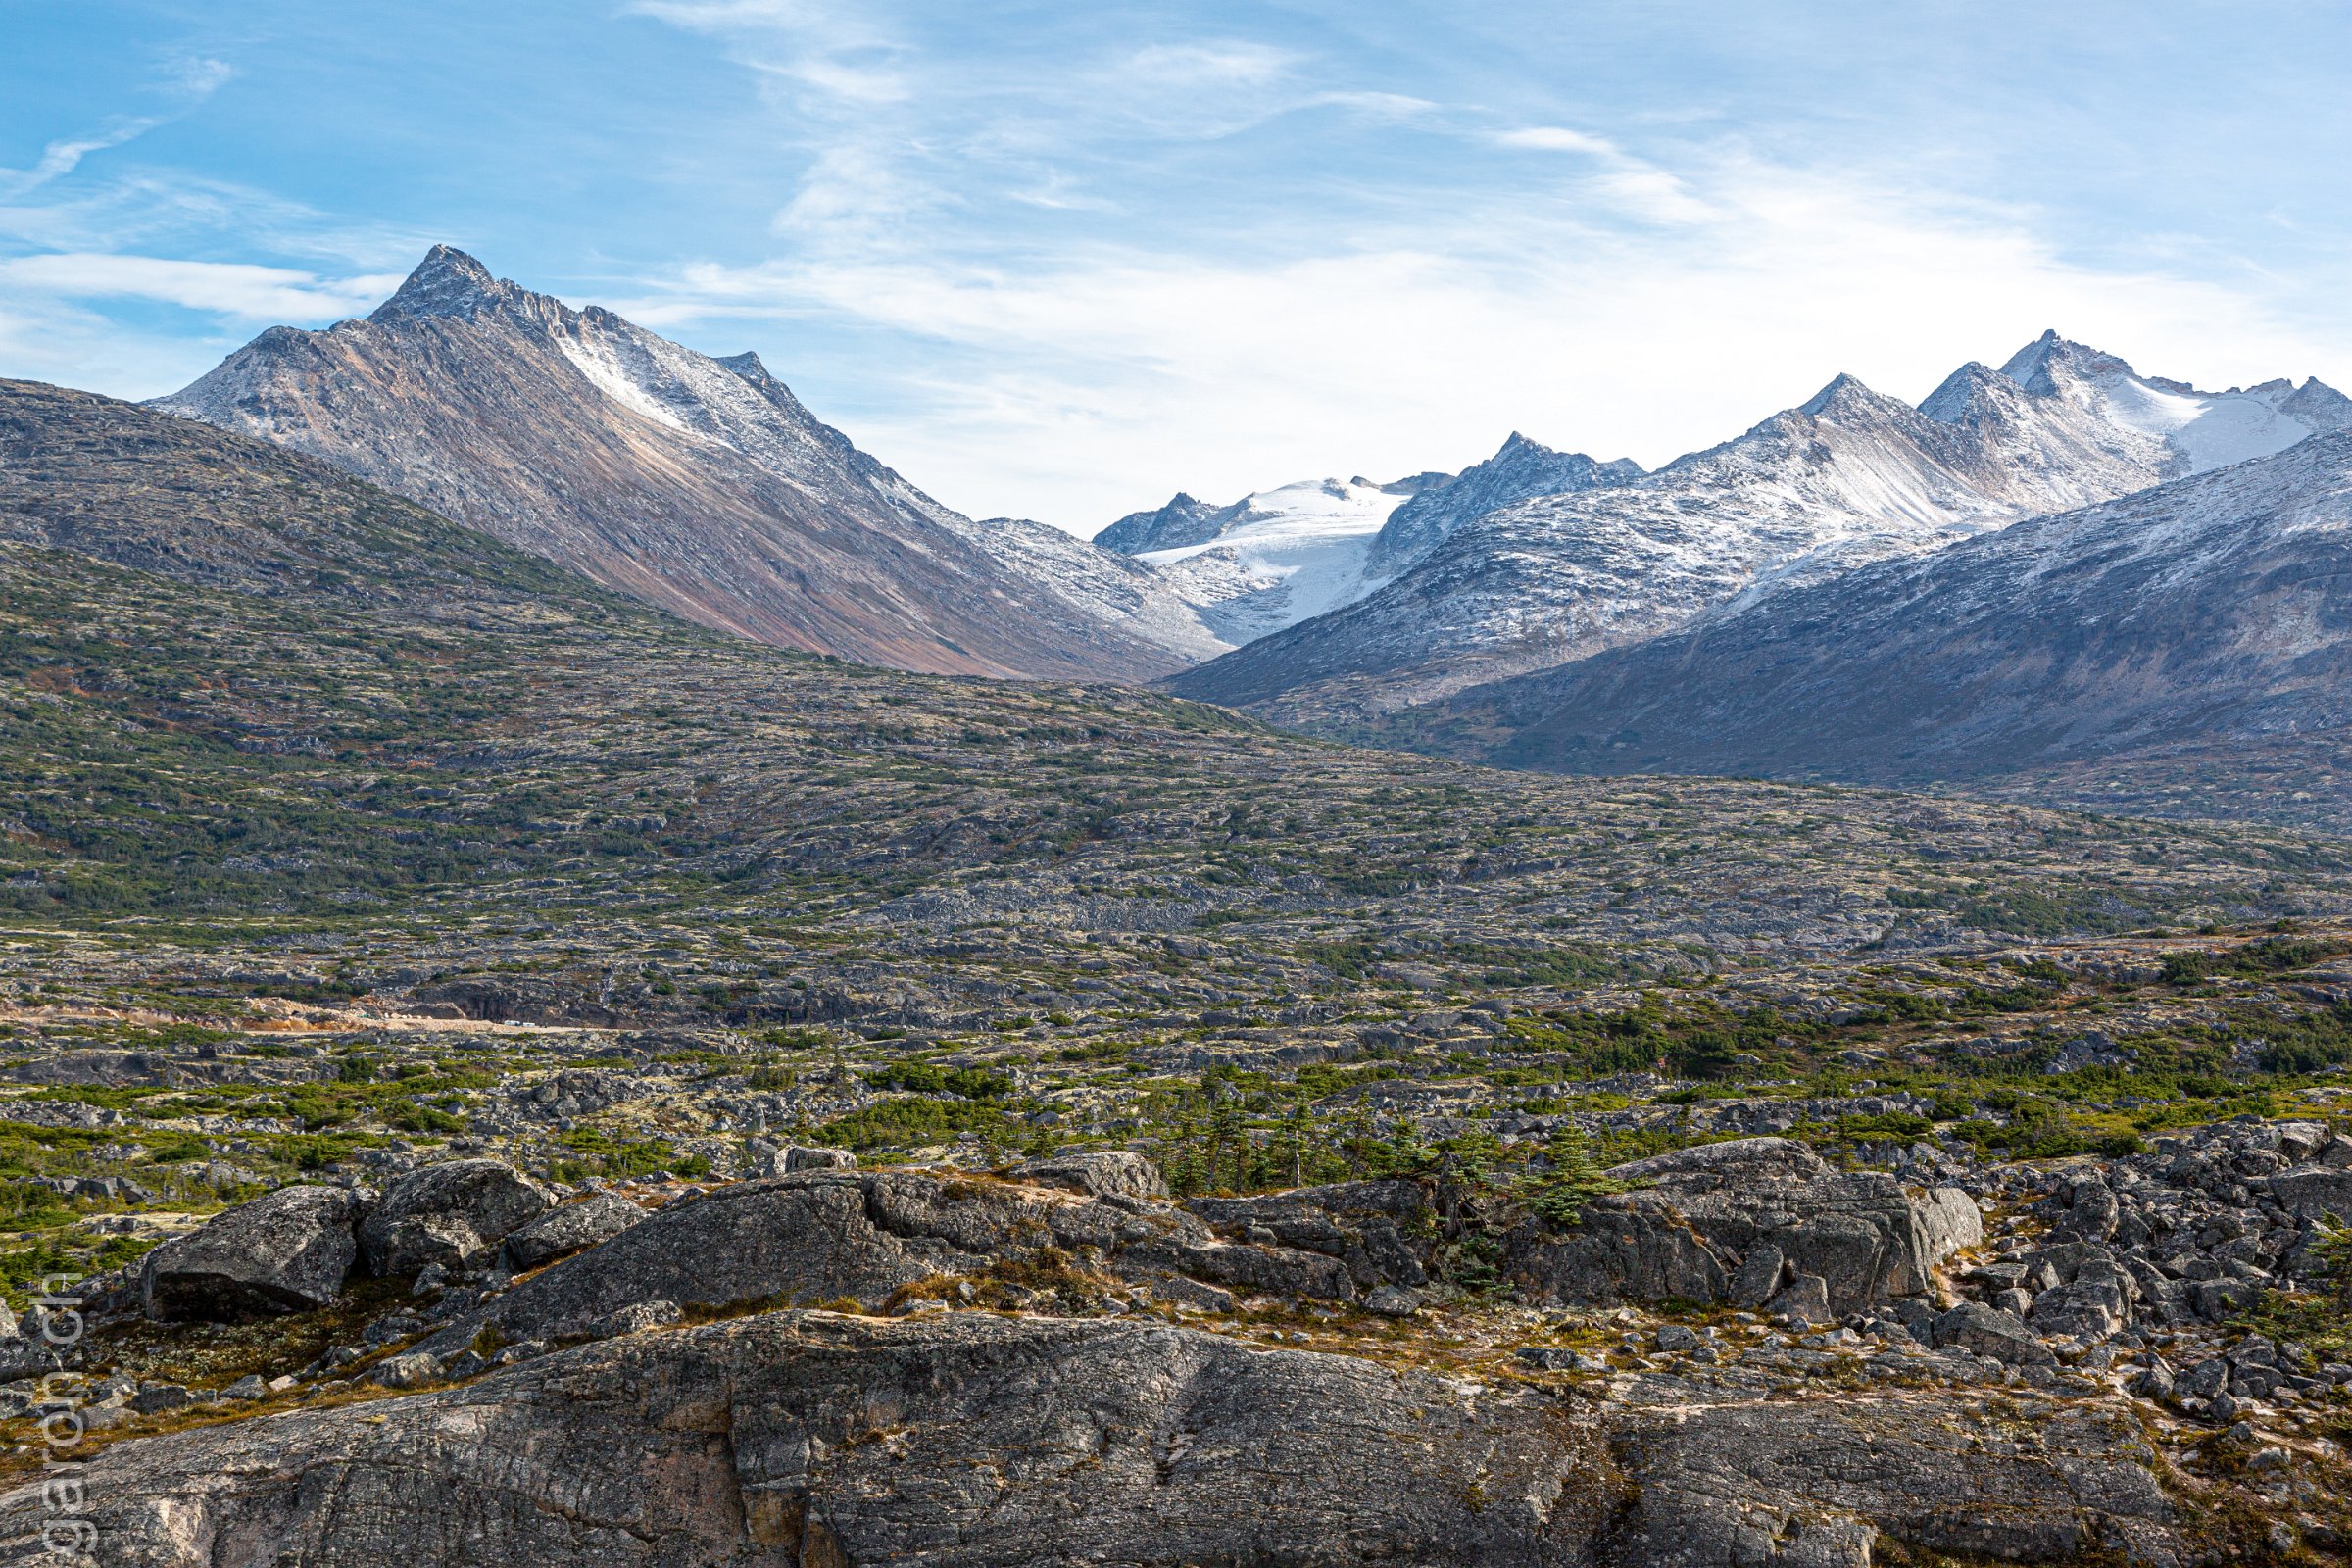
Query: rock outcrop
1826	1485
974	1441
1378	1229
813	1439
824	1236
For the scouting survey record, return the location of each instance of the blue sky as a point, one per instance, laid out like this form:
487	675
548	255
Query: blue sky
1061	258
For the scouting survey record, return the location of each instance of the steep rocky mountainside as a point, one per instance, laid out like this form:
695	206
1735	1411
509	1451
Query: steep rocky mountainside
2205	611
1519	470
530	1079
700	485
1847	478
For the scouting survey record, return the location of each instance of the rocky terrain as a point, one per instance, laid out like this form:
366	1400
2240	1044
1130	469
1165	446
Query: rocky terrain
699	485
492	1073
1845	479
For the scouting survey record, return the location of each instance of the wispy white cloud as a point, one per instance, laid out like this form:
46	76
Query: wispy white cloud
191	78
1086	387
728	16
62	157
1557	139
201	75
1201	64
237	290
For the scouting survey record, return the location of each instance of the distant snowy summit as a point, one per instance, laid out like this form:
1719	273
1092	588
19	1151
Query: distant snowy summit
1279	556
1271	559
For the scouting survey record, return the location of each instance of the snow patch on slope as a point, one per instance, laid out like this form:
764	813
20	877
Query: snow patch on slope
602	368
1284	554
2198	431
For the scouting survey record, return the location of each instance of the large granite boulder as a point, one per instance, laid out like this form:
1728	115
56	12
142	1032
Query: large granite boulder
1990	1332
1098	1173
287	1251
572	1228
2311	1190
453	1215
1698	1216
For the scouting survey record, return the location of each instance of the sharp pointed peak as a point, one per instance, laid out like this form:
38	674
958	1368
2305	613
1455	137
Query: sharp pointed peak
448	261
1517	442
1842	392
748	365
448	282
2038	364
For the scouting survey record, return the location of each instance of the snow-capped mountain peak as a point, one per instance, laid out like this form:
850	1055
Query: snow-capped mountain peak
2181	428
1519	470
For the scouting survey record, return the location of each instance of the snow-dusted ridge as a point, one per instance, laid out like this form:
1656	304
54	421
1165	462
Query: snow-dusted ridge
2215	608
1848	477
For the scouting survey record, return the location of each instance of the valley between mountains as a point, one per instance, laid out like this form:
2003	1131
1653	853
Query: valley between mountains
588	976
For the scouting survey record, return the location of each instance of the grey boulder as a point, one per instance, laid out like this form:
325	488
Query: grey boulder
453	1215
2315	1190
1098	1173
286	1252
572	1228
1989	1332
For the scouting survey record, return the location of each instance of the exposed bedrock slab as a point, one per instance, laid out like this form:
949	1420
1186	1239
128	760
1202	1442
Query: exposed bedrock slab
1698	1219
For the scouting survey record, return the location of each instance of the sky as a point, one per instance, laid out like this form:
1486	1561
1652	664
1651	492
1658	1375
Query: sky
1060	259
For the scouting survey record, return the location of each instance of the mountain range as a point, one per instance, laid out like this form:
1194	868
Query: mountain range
1849	589
2212	608
1848	477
